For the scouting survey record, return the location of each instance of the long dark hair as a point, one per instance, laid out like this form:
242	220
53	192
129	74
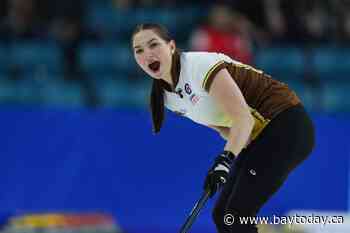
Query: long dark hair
158	85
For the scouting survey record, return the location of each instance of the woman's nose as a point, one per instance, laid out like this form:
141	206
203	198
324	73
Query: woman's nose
149	55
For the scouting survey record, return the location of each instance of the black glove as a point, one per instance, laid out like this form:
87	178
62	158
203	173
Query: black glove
218	174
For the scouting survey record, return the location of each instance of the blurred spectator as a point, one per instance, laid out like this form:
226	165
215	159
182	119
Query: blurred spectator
275	19
307	21
267	16
225	32
21	21
293	16
287	21
341	10
316	20
253	10
68	30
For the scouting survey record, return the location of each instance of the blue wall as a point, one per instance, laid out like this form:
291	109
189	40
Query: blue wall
108	160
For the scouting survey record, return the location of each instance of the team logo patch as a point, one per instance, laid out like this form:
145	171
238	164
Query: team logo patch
194	99
188	89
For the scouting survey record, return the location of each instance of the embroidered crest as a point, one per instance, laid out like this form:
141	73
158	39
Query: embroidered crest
188	89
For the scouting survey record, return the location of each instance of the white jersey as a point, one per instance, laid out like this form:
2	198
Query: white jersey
191	100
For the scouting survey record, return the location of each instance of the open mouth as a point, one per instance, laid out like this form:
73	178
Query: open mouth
154	66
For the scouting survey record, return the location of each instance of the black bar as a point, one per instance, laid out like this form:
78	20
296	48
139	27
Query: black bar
195	211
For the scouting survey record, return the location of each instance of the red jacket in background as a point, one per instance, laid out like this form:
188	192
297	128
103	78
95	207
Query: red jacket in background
229	43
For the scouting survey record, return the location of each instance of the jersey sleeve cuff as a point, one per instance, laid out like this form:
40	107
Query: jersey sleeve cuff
209	77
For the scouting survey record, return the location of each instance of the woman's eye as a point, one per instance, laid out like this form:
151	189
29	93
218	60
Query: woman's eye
138	51
153	45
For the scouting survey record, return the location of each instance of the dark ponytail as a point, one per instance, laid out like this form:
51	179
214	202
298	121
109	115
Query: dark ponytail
157	93
157	105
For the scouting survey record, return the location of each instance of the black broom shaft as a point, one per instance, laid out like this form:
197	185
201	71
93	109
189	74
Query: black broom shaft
195	211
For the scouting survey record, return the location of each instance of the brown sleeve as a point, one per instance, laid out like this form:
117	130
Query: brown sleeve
261	92
209	77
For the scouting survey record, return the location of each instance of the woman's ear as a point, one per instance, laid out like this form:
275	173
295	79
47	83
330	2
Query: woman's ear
172	46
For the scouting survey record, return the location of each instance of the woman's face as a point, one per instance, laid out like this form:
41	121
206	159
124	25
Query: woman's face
153	54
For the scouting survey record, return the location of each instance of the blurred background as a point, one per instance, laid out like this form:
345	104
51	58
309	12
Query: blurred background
77	152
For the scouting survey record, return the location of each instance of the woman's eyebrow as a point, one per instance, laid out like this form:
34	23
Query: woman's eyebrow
148	42
151	40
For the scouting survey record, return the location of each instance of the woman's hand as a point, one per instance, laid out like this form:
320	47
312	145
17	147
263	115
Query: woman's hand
219	173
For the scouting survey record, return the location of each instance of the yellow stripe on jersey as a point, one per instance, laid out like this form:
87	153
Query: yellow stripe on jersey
208	74
259	125
259	122
248	67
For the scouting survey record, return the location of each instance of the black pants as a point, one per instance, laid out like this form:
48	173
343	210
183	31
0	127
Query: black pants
261	168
